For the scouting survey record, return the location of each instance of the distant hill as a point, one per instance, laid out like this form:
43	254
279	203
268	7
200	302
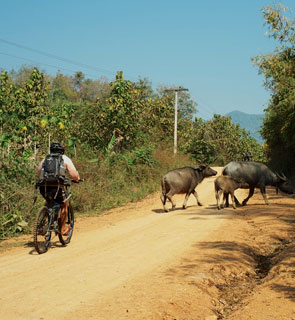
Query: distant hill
249	122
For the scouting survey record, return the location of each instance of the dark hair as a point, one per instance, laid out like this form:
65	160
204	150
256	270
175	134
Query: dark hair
56	147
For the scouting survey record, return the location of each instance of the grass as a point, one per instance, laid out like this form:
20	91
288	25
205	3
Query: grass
108	184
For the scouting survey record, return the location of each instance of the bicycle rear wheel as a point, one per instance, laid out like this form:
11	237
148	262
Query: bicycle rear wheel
41	231
65	239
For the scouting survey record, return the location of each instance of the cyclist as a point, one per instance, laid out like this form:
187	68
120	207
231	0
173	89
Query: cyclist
248	156
58	193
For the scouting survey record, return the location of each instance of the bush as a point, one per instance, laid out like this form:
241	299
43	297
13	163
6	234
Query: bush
111	180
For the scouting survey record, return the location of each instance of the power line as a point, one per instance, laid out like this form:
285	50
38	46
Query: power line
79	64
44	64
207	109
95	77
209	115
207	106
56	57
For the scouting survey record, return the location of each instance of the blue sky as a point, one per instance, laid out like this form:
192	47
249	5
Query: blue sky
204	46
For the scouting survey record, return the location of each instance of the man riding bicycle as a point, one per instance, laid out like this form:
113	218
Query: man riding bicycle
57	193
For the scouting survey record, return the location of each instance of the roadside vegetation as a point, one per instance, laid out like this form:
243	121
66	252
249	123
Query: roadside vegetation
120	134
278	68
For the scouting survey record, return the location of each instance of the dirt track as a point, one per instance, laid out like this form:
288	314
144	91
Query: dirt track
138	262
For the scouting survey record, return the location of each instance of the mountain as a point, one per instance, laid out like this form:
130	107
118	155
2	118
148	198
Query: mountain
249	122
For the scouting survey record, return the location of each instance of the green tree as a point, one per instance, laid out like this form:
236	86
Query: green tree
78	82
61	89
278	69
124	109
21	76
186	106
94	90
8	116
219	141
22	108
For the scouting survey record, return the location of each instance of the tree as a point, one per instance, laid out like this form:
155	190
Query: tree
186	106
61	89
219	141
7	102
22	108
278	69
118	114
78	82
22	75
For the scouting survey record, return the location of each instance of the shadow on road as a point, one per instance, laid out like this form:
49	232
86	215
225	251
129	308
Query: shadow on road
53	244
287	290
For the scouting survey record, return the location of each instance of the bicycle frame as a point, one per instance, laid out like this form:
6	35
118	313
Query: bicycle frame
53	213
49	220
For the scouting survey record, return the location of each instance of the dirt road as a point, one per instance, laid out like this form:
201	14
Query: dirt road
137	262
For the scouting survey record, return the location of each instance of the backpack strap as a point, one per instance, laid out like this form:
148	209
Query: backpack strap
58	187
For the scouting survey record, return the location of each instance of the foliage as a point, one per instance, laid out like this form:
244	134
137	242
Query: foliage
120	134
219	141
12	224
278	69
186	106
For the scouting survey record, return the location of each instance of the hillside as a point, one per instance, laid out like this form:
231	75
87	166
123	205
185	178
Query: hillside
250	122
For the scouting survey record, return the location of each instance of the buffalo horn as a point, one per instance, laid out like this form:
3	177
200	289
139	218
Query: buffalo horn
282	176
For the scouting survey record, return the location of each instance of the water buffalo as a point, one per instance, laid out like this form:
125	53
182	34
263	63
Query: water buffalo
256	175
183	180
226	185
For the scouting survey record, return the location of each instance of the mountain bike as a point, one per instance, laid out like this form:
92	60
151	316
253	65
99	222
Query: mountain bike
48	222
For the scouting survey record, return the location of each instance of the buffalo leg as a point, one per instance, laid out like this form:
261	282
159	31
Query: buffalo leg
169	197
233	200
218	194
237	201
194	192
251	192
185	200
262	190
163	199
217	199
225	199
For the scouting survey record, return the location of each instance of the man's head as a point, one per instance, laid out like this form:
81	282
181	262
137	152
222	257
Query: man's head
56	147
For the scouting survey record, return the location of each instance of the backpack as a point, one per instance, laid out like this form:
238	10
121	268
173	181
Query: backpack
53	170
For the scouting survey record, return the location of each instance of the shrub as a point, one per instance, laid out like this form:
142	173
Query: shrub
111	180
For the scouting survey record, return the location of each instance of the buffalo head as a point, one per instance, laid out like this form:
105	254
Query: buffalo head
283	184
206	171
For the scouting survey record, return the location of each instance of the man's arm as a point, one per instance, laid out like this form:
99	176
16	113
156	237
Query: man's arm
74	174
39	168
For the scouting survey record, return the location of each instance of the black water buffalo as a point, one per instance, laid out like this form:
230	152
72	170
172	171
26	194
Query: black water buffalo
183	180
256	175
226	185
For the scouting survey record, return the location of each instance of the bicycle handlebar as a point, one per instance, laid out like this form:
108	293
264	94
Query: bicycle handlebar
80	180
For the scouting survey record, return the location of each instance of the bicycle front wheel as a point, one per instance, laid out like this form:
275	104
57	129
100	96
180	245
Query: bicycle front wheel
41	231
65	239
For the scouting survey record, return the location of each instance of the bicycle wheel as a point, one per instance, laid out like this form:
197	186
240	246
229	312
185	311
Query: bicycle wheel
65	239
42	233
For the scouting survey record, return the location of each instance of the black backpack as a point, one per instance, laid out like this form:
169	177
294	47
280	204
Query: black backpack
53	170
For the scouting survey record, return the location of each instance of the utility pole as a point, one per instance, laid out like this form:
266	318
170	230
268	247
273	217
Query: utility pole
176	90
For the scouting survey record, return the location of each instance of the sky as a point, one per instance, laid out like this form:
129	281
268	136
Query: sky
203	46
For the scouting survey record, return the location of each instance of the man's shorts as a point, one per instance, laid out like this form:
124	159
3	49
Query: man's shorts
50	193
